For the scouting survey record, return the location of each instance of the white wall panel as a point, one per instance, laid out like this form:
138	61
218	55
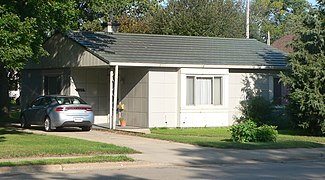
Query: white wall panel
204	115
163	91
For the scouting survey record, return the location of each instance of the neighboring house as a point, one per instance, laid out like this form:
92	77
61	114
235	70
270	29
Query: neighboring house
284	43
163	81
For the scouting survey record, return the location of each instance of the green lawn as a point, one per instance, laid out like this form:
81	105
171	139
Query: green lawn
93	159
220	138
15	144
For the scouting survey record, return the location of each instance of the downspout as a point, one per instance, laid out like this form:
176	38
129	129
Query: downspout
115	96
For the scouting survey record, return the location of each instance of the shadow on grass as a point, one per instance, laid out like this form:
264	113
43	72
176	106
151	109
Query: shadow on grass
295	132
9	131
228	144
4	131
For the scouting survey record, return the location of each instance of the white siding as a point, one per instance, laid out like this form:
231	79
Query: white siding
257	82
204	115
163	98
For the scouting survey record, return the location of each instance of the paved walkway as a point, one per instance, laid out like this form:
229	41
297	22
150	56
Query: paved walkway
161	153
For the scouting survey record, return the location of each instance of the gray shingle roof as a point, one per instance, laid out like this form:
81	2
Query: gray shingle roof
187	50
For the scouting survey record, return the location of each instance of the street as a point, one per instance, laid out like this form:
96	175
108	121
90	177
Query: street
289	170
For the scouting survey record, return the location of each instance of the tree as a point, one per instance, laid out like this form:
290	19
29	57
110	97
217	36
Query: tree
279	17
129	13
306	77
16	37
136	17
199	18
26	24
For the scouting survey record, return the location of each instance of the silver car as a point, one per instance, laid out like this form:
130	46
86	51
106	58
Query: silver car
56	111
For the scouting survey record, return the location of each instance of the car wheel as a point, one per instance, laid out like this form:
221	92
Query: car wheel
47	124
87	128
23	122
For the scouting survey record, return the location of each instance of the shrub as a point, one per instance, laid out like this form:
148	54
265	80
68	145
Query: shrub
266	133
257	109
243	132
249	132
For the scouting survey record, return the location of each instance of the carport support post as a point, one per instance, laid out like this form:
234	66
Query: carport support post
110	117
115	96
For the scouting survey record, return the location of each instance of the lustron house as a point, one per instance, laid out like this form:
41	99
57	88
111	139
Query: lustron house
163	81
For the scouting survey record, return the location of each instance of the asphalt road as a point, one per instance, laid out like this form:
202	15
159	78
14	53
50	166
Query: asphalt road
291	170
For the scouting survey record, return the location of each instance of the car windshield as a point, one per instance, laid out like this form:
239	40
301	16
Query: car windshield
69	100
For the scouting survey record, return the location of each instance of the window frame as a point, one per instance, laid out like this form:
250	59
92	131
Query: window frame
213	92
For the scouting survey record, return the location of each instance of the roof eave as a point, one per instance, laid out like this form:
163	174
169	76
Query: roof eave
196	66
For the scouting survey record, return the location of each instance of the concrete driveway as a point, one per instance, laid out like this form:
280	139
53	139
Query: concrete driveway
171	153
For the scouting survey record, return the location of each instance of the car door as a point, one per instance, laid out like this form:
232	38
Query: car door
41	110
31	111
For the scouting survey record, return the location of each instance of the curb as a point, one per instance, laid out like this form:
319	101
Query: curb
77	167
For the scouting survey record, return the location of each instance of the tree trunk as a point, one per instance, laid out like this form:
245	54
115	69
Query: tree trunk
4	92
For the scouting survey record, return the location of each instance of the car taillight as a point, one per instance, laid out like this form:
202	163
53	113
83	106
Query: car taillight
78	108
59	109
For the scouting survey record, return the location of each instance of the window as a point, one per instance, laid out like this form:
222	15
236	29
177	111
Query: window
277	91
69	100
52	85
46	101
37	102
203	90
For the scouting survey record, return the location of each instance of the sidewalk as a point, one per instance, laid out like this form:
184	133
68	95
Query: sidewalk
165	153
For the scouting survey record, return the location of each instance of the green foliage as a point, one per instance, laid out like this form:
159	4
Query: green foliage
257	109
127	12
266	133
12	142
279	17
93	159
220	138
244	132
249	132
16	39
306	76
199	18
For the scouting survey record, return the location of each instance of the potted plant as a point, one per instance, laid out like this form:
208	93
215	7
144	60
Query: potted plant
120	109
122	121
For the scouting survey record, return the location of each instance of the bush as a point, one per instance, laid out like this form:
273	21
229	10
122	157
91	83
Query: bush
243	132
257	109
249	132
266	133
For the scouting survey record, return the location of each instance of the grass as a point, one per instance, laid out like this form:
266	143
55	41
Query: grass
221	138
14	144
93	159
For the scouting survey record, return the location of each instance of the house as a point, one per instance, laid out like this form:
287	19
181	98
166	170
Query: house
284	43
163	81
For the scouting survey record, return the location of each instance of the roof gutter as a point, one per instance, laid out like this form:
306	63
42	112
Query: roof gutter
195	66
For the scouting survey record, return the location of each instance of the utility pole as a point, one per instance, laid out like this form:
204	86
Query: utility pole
268	38
247	20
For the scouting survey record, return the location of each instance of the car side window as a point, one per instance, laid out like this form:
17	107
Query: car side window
46	101
37	102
